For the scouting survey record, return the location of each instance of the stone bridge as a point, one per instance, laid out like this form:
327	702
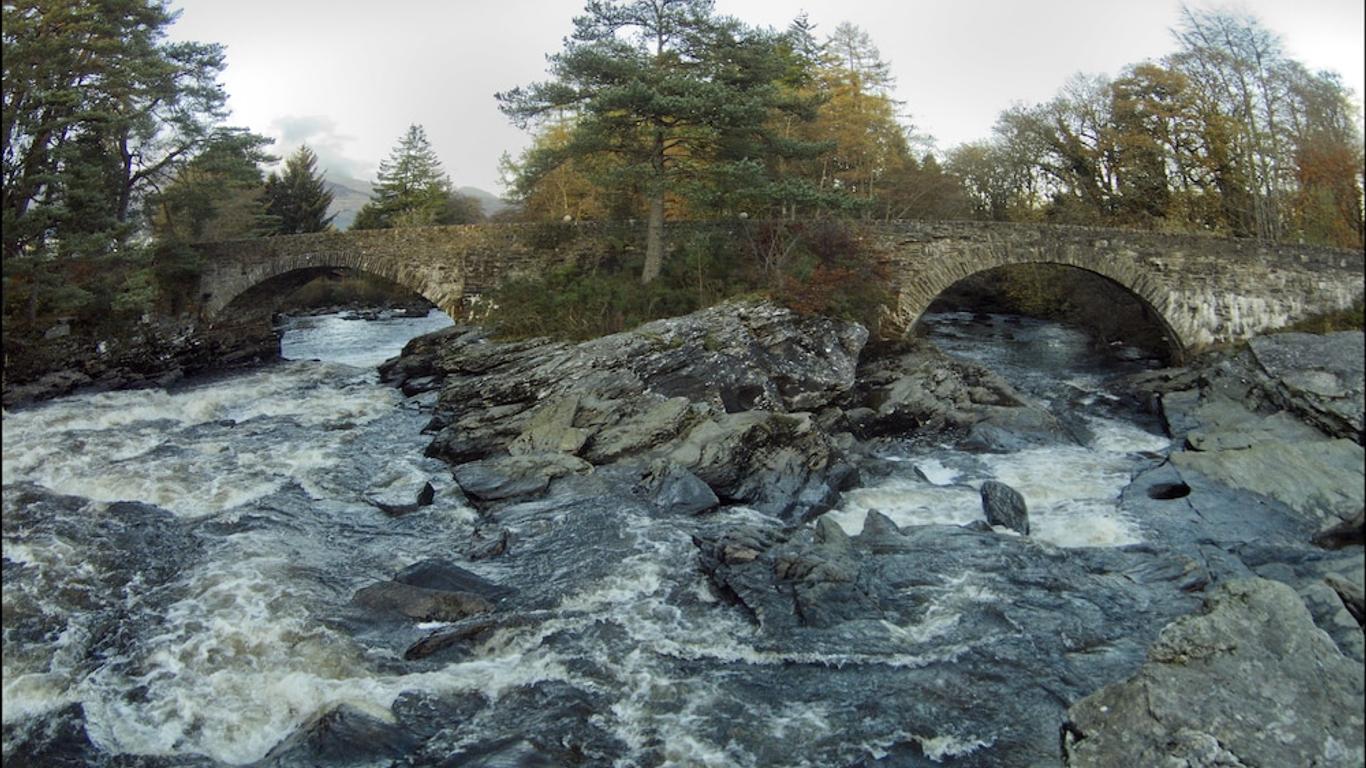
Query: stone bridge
1205	289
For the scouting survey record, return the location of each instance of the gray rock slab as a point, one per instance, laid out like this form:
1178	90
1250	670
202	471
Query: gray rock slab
1251	681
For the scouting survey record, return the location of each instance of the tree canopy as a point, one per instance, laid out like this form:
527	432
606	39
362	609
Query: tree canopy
298	198
100	111
679	98
412	190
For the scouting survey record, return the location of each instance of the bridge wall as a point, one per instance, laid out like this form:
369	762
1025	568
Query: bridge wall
442	264
1206	289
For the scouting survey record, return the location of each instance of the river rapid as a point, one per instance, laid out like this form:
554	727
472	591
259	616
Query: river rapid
179	567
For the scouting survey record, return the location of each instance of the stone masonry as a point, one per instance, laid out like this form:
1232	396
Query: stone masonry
1207	290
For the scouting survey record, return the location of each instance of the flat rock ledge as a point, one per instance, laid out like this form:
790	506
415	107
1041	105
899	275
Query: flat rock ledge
1249	682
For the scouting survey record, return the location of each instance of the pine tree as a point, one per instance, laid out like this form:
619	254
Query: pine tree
679	97
411	191
298	197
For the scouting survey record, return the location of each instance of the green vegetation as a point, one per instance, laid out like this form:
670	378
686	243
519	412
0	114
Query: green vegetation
668	99
100	112
116	158
413	191
815	268
298	198
1351	319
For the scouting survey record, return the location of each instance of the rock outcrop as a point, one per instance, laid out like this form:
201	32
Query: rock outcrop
759	404
1251	681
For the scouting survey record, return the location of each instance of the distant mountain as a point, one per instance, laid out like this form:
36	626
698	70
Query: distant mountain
490	202
350	195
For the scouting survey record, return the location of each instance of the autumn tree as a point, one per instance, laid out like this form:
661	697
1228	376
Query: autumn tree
680	97
298	198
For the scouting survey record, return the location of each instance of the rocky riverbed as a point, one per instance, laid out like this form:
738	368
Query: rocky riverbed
662	548
1250	531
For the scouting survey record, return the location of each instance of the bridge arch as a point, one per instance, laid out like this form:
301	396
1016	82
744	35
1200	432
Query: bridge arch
255	284
1205	289
919	290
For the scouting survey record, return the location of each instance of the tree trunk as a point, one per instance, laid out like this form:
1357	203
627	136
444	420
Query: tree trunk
654	228
654	238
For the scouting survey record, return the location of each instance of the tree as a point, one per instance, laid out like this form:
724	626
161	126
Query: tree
218	195
411	191
98	110
681	98
298	197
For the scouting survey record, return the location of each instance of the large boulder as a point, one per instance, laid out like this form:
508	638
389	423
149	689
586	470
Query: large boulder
1251	681
343	736
1321	378
913	386
420	603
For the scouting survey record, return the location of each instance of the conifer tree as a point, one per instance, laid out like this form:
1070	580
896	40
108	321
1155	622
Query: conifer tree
411	191
681	99
298	197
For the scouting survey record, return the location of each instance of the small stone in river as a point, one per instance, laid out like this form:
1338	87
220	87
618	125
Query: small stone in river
1005	506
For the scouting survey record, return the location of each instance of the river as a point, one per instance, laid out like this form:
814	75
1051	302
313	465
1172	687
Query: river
203	623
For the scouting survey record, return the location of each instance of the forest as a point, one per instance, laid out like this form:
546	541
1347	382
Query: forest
117	155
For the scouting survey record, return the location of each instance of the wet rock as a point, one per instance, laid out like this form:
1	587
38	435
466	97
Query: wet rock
551	429
1004	505
1253	657
721	392
915	387
778	463
1342	534
488	544
1323	480
421	604
506	477
401	490
505	753
1330	612
676	491
443	575
1026	628
1007	430
341	736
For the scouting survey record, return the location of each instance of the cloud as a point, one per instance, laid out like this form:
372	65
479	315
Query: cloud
322	135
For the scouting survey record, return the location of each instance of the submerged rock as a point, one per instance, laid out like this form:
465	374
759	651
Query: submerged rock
340	736
1250	682
999	626
419	603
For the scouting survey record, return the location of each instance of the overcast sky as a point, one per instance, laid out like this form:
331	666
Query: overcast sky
349	77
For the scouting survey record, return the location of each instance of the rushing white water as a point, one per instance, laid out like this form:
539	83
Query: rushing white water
1072	493
226	645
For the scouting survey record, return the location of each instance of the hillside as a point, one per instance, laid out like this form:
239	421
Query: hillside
349	195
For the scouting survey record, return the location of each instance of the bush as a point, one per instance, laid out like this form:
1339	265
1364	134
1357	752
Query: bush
1351	319
816	268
